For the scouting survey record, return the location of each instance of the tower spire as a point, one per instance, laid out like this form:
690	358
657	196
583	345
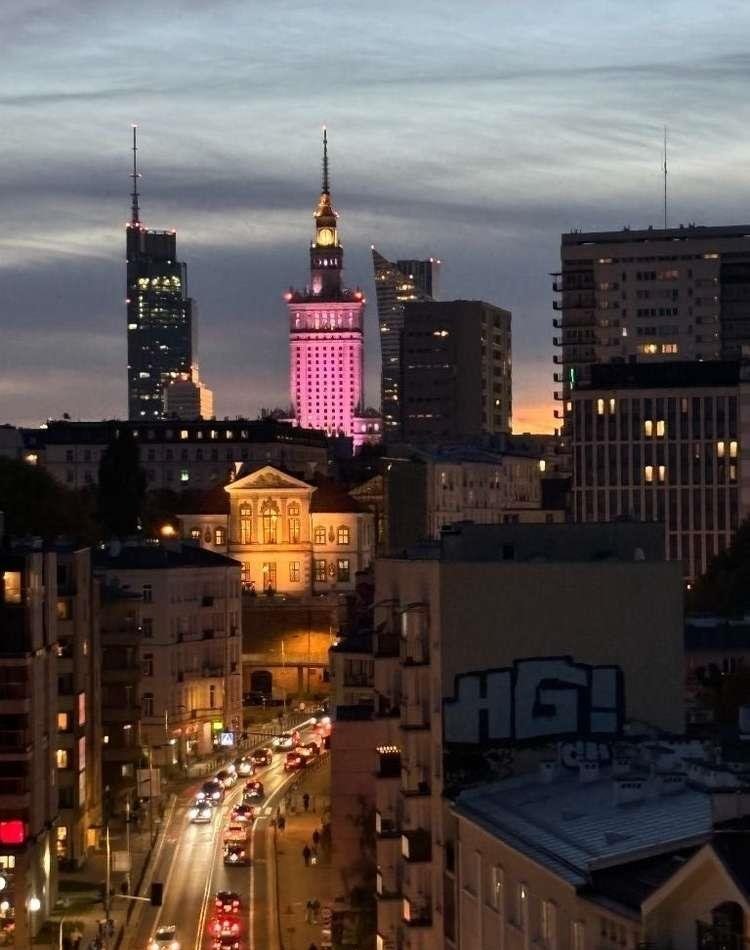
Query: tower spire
135	213
325	189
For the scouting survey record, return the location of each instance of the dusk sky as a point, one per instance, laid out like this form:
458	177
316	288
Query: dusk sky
472	131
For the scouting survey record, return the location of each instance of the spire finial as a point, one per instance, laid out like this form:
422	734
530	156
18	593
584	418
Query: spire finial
326	189
135	213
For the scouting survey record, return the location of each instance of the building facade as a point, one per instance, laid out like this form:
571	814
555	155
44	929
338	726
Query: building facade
182	673
665	443
179	455
326	338
397	283
188	398
455	371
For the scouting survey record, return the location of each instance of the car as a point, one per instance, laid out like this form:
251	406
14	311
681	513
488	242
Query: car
224	926
243	812
262	757
287	740
212	789
294	762
254	791
201	811
245	766
226	942
308	750
228	902
164	938
228	779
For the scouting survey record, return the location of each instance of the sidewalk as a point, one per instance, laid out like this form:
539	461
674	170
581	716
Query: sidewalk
298	884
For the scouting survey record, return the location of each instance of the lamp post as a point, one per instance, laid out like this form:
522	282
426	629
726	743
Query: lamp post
33	905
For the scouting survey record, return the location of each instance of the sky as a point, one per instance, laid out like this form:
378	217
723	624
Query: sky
474	131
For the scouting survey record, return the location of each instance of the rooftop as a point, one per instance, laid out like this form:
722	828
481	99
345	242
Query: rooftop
156	556
652	235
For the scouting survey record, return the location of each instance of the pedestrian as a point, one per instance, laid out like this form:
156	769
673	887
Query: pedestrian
110	928
281	823
316	837
314	857
315	909
309	912
306	801
306	855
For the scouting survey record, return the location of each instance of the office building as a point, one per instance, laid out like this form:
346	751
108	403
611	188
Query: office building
664	443
455	371
326	339
185	664
161	316
650	295
640	851
176	454
186	398
28	746
397	283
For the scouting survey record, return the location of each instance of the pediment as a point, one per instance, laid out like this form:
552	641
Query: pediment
268	478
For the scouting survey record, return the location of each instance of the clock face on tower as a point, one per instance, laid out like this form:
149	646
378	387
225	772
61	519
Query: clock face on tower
326	237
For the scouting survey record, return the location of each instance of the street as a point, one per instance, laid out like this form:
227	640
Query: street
189	862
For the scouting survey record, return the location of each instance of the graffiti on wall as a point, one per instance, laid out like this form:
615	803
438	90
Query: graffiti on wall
534	699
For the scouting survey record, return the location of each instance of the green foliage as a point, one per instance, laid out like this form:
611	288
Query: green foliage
35	504
725	587
122	487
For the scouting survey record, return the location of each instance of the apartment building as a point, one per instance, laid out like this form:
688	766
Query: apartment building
79	734
182	672
28	740
665	443
632	853
466	611
175	454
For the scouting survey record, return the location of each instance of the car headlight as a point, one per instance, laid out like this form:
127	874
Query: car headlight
174	945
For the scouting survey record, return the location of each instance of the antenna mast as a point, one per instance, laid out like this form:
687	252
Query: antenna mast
135	214
326	188
665	178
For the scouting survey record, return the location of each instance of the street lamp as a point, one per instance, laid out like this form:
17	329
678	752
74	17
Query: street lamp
33	905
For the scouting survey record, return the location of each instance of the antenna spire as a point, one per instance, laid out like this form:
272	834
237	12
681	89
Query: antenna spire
135	213
665	179
325	189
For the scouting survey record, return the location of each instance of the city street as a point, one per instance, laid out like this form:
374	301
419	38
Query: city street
189	863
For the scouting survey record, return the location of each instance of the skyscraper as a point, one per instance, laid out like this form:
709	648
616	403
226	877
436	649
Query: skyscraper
326	336
160	315
395	285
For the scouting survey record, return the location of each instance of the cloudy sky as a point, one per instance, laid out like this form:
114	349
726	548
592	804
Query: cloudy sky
476	131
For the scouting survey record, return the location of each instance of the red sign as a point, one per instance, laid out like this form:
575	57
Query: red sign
12	832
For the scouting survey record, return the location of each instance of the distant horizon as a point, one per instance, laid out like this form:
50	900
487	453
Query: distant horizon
480	145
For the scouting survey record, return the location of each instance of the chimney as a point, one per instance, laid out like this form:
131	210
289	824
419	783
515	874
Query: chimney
588	772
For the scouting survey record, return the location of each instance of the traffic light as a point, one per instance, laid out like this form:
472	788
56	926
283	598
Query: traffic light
157	893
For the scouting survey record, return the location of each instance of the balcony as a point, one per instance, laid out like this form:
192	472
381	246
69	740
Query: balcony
416	846
389	763
711	937
417	914
387	885
387	645
386	826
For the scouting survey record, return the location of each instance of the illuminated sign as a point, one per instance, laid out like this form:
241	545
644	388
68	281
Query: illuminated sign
226	738
12	832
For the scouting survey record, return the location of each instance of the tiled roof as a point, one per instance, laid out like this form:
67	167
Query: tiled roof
158	557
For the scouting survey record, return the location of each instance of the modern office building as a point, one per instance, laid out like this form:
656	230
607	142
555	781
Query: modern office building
326	338
188	398
397	283
665	443
650	295
161	317
455	371
176	454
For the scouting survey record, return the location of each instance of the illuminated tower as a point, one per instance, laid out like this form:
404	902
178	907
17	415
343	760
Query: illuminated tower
325	335
160	314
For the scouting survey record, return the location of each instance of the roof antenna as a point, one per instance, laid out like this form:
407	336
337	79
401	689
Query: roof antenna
665	179
326	190
135	215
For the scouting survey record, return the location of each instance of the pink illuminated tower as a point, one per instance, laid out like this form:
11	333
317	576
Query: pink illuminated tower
326	337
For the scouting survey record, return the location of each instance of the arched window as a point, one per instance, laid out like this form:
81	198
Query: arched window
246	524
320	534
269	514
294	523
343	535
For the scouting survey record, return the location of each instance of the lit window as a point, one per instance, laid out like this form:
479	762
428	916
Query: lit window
600	407
184	433
542	465
269	576
294	523
720	449
220	537
648	428
660	427
733	450
343	535
195	533
342	572
12	587
270	518
497	889
184	475
294	571
63	721
62	758
246	524
612	404
320	534
81	709
320	569
649	473
669	347
662	472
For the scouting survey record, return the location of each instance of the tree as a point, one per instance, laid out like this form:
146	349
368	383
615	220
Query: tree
725	587
122	487
35	504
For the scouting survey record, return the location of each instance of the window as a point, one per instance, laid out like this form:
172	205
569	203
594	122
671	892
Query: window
81	709
648	428
220	537
147	625
148	664
245	575
549	924
600	407
320	569
320	534
269	575
147	593
342	572
660	428
246	524
720	449
497	890
63	721
184	475
12	587
62	758
294	523
578	935
648	473
195	534
733	450
147	703
343	535
270	517
294	571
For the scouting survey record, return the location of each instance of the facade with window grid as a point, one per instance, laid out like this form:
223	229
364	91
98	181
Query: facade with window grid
664	443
